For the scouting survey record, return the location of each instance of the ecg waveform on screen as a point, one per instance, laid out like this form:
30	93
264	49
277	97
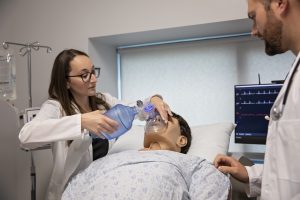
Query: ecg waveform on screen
262	92
252	104
255	102
250	114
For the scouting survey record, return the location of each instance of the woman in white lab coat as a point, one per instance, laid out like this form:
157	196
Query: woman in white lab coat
73	110
277	22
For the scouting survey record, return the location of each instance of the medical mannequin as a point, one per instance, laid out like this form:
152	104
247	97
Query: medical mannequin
277	23
162	170
73	110
176	136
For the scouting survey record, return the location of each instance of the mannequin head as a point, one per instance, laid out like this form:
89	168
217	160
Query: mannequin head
175	137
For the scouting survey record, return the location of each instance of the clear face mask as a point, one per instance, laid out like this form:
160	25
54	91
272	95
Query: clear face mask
155	125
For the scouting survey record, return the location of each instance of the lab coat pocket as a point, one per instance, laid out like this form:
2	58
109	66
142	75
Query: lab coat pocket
287	149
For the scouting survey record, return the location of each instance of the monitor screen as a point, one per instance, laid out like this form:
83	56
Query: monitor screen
252	104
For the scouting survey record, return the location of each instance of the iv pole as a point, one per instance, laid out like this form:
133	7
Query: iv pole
26	50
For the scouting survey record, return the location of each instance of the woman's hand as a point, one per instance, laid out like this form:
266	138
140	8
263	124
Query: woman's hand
162	107
96	122
232	166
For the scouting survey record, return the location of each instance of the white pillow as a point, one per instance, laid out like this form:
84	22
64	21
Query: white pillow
132	140
207	140
210	140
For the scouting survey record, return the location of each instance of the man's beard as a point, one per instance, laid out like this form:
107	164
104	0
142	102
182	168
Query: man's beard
273	35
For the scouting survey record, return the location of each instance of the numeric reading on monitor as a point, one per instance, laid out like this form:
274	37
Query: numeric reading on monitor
252	104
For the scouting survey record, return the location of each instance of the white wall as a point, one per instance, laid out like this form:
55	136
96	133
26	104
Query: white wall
69	23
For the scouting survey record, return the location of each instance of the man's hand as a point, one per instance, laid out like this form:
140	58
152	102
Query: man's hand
232	166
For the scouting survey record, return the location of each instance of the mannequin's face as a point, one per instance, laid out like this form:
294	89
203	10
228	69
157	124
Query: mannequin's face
169	138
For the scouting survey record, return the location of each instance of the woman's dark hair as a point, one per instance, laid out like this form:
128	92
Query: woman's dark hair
58	86
185	130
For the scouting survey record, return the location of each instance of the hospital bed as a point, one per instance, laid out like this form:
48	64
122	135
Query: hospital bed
208	141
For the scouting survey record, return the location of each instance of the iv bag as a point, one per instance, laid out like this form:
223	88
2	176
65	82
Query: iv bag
7	76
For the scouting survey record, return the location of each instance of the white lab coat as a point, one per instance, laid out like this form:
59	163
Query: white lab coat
52	126
280	175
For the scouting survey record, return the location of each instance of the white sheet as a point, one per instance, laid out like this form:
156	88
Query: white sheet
149	175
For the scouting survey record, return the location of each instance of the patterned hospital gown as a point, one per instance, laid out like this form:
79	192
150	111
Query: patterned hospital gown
149	175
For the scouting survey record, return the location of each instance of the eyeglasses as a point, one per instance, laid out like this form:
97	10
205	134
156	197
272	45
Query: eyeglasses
86	77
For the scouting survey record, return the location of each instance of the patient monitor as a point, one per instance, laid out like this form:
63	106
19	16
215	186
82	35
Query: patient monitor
252	107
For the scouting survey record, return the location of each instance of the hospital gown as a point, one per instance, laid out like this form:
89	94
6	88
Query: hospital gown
149	175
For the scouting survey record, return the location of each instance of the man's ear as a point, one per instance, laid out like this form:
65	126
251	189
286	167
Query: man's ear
282	6
181	141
